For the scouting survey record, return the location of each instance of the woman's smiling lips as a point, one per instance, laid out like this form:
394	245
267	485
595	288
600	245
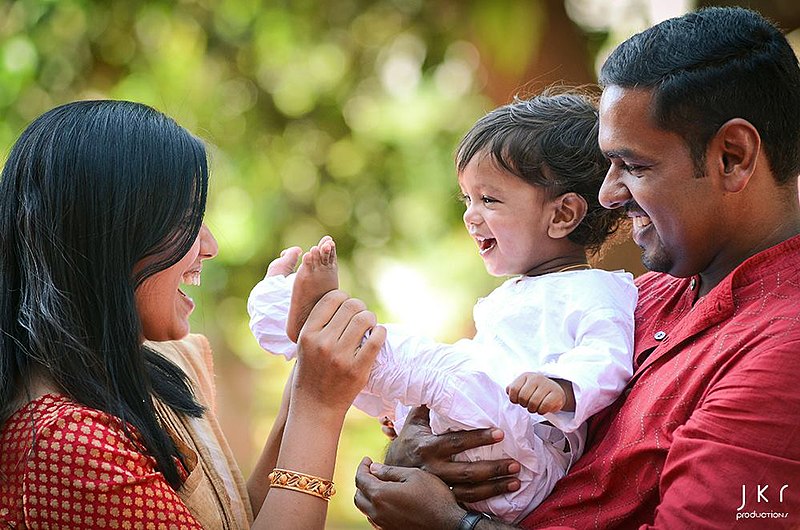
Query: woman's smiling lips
191	277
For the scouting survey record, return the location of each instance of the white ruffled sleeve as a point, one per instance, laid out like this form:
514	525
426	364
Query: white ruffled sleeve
268	306
600	364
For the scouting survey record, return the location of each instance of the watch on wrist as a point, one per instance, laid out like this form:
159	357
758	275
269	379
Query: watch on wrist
470	520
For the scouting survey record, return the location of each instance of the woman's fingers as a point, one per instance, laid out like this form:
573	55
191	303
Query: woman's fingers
334	358
369	350
343	315
358	324
326	308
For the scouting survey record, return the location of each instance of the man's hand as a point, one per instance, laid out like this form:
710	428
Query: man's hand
404	498
540	394
417	446
400	498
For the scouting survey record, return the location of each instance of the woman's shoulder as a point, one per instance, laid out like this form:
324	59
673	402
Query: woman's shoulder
53	435
66	464
56	422
52	411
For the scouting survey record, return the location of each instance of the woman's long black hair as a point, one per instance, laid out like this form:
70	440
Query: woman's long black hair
91	189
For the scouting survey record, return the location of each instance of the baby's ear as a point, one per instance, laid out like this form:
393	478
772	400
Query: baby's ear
568	210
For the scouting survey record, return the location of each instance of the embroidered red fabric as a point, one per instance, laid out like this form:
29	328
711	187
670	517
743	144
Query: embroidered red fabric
64	465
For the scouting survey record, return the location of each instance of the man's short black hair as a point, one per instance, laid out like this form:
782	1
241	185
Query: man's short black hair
711	66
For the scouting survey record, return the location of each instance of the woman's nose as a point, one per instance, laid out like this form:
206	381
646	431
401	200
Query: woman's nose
208	243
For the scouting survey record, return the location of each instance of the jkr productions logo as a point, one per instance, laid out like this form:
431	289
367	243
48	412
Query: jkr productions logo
768	502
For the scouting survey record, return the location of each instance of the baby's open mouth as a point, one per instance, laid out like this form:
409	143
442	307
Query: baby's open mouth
486	244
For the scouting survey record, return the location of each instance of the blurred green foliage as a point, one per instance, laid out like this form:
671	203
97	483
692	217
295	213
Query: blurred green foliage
320	118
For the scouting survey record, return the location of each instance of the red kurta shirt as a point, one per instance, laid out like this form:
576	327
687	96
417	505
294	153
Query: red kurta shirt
707	433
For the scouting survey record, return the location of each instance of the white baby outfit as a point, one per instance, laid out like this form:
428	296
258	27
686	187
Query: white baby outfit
575	325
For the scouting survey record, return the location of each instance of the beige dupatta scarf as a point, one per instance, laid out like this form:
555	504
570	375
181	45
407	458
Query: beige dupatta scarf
215	490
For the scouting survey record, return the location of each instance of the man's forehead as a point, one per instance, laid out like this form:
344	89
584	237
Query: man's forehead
623	100
629	130
624	111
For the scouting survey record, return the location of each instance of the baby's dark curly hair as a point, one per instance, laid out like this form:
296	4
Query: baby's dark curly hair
550	140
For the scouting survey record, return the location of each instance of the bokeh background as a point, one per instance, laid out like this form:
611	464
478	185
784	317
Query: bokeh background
323	117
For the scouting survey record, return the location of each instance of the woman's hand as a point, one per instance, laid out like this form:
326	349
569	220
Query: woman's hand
417	446
333	364
333	358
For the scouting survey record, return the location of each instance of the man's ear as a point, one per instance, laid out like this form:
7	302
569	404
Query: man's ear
732	153
569	210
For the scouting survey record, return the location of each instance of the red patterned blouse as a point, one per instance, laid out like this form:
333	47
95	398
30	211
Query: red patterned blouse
63	465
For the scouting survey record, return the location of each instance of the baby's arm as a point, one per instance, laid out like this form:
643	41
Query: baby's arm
541	394
583	339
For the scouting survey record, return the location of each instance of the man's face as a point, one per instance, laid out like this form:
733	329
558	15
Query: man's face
673	210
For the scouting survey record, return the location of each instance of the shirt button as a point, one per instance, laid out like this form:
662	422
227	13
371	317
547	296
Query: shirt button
693	284
659	335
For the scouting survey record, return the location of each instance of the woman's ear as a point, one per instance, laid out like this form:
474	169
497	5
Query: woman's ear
732	153
569	210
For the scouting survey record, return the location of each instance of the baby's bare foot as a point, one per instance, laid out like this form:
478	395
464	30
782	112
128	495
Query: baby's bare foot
286	263
318	274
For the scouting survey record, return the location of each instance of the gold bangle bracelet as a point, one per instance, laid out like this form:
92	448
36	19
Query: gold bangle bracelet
292	480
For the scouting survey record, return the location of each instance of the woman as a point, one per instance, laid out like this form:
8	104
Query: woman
101	212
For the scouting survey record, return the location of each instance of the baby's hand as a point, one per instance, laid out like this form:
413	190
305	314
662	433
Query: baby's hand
537	393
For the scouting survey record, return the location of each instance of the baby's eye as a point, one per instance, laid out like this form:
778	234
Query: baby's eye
488	200
463	197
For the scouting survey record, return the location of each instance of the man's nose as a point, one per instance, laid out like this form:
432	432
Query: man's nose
613	193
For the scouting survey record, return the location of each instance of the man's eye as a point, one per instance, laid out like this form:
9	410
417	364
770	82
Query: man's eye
632	168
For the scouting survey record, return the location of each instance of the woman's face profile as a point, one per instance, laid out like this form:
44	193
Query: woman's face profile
163	307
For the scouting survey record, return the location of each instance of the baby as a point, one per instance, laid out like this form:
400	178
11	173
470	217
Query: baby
529	174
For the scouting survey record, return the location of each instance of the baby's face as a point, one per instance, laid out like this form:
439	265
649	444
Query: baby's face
507	217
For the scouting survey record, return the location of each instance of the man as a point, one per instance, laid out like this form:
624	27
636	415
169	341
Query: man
700	119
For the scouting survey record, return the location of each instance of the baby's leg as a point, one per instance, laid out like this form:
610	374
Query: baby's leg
318	274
